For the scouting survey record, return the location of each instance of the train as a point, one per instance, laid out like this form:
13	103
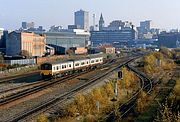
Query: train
50	70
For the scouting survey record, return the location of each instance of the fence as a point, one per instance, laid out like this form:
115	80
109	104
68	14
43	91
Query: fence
20	62
23	69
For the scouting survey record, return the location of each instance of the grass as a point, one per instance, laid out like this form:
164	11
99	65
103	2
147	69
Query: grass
151	111
23	70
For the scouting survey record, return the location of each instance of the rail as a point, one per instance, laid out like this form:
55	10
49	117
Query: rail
146	84
61	98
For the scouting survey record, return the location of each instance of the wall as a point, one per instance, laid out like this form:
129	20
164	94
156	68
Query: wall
27	42
20	61
41	60
13	44
39	43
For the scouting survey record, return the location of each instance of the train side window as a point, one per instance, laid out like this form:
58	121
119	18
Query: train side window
92	61
69	65
77	64
63	66
82	63
54	68
57	68
87	62
97	60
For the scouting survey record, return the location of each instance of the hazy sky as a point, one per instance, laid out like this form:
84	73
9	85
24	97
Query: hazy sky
164	13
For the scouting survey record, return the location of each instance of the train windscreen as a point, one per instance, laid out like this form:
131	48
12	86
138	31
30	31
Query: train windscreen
46	67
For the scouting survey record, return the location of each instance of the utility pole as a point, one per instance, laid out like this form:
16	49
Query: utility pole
97	105
115	88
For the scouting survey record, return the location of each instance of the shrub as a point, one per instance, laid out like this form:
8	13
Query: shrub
141	102
42	118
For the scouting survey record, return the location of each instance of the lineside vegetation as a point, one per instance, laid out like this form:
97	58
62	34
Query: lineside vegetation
156	62
170	110
84	106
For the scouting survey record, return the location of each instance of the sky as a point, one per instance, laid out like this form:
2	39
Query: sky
164	13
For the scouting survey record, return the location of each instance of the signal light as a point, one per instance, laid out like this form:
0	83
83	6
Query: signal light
120	75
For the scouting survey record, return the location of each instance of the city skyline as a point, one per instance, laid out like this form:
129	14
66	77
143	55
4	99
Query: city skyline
58	12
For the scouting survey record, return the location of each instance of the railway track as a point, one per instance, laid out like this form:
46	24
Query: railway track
146	85
61	98
127	106
15	77
26	85
20	88
38	87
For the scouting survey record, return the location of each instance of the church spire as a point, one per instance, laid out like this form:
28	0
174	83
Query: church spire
101	18
101	23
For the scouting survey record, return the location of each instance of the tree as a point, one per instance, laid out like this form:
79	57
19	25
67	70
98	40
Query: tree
25	53
1	58
149	63
166	52
70	52
141	102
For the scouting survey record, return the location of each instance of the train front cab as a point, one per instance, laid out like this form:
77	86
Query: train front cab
46	70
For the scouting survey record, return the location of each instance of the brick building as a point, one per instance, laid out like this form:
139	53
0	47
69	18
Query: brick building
108	49
18	41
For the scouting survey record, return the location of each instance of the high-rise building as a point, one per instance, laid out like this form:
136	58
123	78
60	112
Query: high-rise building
81	19
1	38
27	25
3	35
169	40
1	32
146	25
101	23
146	30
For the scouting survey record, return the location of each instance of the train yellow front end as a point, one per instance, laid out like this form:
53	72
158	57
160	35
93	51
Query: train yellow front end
46	70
